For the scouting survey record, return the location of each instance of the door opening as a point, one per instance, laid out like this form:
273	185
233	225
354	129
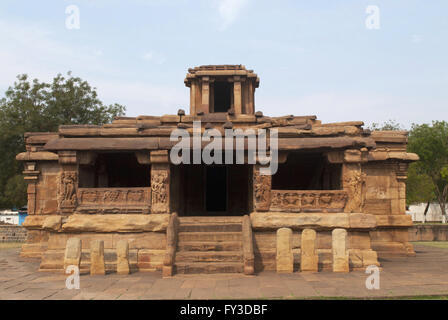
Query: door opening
216	188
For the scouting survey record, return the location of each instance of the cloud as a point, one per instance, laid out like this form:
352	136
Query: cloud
229	10
416	38
33	49
143	98
155	57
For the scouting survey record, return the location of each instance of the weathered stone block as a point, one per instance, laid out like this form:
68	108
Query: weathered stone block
285	257
122	257
52	223
116	223
340	253
97	266
309	258
72	252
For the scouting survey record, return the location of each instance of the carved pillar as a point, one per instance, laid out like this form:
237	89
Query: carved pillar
68	182
237	96
160	182
31	177
261	190
205	106
193	93
401	174
250	98
353	180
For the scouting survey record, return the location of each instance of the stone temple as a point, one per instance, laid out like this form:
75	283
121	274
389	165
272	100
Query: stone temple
108	198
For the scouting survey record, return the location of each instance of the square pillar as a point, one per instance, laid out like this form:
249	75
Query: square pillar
237	95
205	106
160	182
261	190
193	93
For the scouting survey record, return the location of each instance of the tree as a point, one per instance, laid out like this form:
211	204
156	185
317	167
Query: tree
430	142
386	126
38	107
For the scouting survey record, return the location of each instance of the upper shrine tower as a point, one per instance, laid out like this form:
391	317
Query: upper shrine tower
221	88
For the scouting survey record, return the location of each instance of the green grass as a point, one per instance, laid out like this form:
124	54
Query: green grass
9	245
434	244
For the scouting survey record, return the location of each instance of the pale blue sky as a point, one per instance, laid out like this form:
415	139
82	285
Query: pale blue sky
313	57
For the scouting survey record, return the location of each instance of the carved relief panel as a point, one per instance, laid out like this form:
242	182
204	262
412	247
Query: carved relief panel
160	188
308	200
67	197
262	190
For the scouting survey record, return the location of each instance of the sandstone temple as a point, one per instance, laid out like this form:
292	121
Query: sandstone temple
107	198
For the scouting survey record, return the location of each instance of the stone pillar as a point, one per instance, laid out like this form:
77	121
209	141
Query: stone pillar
339	249
205	106
353	182
123	257
193	93
68	182
309	258
285	258
261	190
160	182
237	96
250	98
97	266
72	255
401	174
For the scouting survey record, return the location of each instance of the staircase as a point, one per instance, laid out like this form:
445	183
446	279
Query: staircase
209	245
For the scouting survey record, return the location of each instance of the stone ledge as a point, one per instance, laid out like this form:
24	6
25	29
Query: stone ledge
298	221
116	223
400	220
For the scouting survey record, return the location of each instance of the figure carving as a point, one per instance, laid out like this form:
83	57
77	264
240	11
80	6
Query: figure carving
296	200
159	187
262	190
67	189
354	181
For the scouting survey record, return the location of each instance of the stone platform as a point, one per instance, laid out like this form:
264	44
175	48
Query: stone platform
422	275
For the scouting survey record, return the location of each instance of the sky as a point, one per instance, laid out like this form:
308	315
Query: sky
373	60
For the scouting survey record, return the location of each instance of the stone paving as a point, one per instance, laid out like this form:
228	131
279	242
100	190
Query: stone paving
424	274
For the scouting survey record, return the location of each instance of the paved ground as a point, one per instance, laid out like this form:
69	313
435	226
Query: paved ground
414	276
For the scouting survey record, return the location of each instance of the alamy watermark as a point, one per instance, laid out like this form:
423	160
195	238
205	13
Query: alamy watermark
236	144
373	280
373	19
73	280
72	21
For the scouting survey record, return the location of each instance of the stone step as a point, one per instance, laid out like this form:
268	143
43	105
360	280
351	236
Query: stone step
224	219
209	256
209	267
209	246
209	236
210	227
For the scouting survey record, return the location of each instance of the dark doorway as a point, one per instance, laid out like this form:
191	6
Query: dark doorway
211	190
216	188
222	94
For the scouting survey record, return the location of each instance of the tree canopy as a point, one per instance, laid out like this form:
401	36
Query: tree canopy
34	106
430	142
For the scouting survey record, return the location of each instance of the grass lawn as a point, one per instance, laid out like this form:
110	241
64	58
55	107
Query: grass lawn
8	245
435	244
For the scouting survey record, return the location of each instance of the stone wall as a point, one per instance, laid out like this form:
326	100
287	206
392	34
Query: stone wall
12	233
429	232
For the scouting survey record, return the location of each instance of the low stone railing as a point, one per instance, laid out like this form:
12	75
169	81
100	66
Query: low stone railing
114	200
248	246
308	200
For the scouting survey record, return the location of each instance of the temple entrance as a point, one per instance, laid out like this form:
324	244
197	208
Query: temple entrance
211	190
222	96
215	188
